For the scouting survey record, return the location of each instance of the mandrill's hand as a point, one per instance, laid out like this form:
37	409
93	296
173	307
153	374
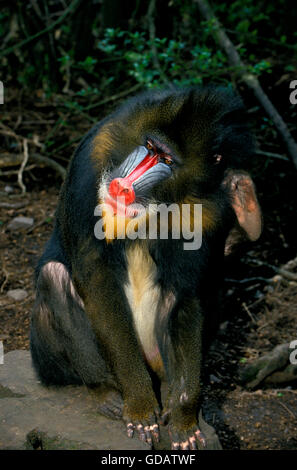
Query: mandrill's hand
141	417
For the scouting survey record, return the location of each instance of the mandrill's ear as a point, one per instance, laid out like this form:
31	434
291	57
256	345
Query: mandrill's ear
246	207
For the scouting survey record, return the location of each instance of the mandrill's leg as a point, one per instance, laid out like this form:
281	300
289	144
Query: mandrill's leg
63	346
184	374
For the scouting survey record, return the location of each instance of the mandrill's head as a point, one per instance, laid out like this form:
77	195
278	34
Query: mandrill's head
169	147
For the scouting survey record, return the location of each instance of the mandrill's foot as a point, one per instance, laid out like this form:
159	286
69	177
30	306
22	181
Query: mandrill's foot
145	426
190	439
110	402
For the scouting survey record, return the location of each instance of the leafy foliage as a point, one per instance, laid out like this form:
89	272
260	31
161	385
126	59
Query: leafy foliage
187	54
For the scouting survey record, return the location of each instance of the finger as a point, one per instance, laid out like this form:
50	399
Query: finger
175	445
148	436
141	432
200	437
192	441
130	429
185	445
155	432
165	417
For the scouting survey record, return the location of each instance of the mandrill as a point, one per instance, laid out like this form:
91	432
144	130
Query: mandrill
128	284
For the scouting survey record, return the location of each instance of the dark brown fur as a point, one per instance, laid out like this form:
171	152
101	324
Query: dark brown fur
115	314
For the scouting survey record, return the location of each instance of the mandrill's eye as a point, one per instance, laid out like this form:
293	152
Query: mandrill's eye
166	159
150	146
217	158
156	151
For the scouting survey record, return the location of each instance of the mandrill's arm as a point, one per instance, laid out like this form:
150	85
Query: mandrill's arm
111	321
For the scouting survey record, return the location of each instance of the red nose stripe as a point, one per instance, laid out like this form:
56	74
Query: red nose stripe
147	163
122	187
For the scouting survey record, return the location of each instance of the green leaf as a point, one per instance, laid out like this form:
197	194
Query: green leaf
290	68
243	26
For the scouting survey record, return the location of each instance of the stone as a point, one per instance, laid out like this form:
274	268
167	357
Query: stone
20	222
64	417
214	379
8	189
17	294
36	417
272	365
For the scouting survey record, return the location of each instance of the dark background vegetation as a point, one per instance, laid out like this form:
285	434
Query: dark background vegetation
65	65
74	60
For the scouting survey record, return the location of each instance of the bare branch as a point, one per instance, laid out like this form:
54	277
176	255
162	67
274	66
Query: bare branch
152	33
21	170
248	78
272	155
7	160
68	10
115	97
281	271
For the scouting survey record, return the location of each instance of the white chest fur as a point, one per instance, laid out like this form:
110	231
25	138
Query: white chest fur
143	295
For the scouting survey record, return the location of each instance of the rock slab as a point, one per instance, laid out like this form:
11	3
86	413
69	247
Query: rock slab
36	417
20	223
17	294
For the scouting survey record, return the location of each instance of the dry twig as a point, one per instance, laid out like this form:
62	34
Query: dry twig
7	160
271	155
21	169
288	410
115	97
13	205
281	271
152	33
6	276
248	312
68	10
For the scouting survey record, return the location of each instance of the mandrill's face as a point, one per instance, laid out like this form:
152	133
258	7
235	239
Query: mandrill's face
153	177
130	185
168	148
